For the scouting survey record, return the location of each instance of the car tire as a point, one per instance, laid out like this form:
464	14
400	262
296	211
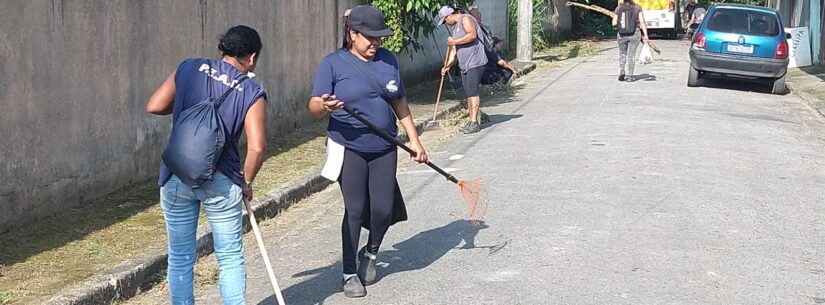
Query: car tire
779	86
693	77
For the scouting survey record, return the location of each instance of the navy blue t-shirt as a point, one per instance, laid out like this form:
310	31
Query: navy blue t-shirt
358	92
190	89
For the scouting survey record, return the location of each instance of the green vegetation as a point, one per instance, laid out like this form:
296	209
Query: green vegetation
410	19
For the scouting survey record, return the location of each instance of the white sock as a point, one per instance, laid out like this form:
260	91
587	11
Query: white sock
348	276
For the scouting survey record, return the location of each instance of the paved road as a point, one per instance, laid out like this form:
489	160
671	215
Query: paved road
602	193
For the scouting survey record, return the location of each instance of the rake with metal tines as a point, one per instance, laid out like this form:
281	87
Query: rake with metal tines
472	191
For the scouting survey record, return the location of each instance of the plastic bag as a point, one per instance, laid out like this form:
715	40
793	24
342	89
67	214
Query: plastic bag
646	55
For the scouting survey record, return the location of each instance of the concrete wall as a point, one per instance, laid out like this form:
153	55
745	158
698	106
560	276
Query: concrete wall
76	76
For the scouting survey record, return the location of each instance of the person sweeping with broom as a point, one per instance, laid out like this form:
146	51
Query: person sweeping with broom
364	78
465	45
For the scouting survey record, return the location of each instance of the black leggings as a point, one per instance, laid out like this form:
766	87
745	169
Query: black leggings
368	185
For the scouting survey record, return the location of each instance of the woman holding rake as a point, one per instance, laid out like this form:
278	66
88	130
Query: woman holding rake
365	77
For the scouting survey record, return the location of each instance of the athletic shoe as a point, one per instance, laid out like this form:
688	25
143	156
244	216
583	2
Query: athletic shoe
473	128
353	288
366	266
621	76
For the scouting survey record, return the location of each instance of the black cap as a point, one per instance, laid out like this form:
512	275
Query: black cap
369	21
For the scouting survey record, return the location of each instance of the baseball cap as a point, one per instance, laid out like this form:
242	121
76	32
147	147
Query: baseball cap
443	13
369	21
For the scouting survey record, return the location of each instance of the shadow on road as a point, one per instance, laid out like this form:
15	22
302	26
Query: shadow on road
417	252
645	78
735	84
501	118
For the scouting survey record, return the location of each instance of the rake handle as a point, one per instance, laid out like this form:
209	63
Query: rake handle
392	139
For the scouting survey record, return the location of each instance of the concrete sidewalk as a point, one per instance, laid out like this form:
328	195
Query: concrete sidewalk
809	83
130	277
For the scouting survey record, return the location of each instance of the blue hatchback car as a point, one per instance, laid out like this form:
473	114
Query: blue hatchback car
740	41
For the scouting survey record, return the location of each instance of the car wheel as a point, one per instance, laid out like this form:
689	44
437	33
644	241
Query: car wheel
693	77
779	86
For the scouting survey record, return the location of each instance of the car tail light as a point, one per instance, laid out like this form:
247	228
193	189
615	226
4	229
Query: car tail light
699	42
781	50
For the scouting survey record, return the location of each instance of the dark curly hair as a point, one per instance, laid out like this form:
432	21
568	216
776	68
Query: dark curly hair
240	41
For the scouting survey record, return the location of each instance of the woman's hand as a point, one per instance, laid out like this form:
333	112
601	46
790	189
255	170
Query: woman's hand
450	41
645	39
444	70
420	154
331	103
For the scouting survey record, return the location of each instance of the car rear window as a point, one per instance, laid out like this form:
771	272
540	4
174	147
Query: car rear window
746	22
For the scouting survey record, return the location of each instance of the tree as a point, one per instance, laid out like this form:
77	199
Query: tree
410	19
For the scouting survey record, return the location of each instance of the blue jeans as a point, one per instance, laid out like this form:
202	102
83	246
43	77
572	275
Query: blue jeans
222	201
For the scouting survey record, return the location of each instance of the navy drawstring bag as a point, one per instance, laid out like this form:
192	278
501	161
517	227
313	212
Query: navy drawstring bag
197	138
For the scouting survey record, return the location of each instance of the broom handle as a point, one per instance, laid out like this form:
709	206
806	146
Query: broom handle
390	138
438	98
440	85
260	241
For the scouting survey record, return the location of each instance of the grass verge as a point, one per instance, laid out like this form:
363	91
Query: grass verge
41	259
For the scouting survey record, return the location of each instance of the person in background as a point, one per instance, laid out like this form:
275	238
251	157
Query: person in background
367	172
465	46
629	19
498	69
242	112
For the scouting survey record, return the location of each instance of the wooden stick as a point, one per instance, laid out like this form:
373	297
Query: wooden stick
261	246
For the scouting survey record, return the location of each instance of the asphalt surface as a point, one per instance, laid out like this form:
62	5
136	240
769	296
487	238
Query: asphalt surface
601	192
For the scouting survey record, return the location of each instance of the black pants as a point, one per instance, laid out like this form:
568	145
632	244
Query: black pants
368	185
471	80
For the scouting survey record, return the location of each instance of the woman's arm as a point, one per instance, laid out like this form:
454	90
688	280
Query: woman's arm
643	25
450	60
161	101
255	130
402	111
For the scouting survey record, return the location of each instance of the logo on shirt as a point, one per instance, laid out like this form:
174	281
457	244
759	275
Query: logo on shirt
392	87
223	78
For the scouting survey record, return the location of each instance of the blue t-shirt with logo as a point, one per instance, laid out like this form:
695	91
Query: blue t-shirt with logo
191	89
337	76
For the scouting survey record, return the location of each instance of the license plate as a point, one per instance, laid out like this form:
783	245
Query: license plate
740	49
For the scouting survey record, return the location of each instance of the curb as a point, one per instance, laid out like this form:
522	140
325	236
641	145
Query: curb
810	100
127	279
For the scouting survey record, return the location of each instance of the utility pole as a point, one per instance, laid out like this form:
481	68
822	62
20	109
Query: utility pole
524	37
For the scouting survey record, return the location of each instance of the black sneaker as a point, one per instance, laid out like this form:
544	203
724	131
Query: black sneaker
465	127
353	288
366	266
621	77
473	128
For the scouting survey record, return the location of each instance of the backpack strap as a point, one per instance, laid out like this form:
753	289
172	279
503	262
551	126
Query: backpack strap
223	97
209	79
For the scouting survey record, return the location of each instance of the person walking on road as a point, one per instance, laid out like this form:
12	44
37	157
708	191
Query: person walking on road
363	163
465	45
629	19
243	111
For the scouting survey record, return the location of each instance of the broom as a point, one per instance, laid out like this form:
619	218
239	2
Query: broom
474	195
434	124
